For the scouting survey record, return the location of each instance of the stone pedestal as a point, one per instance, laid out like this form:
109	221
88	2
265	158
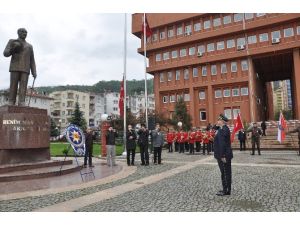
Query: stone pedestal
24	135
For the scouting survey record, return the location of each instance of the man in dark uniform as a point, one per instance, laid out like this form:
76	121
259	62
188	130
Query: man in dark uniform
297	130
255	138
130	145
242	138
88	147
143	143
223	154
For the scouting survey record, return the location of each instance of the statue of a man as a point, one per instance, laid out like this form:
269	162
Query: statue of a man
22	61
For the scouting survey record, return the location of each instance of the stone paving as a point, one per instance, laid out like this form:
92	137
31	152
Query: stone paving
270	182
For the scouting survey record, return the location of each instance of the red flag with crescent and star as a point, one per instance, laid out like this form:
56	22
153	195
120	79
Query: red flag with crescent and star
238	125
121	99
148	29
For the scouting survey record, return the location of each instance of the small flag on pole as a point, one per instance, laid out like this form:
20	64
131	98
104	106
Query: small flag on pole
121	99
281	127
237	126
148	29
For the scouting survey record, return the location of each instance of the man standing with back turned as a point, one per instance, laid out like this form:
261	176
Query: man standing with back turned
22	61
223	154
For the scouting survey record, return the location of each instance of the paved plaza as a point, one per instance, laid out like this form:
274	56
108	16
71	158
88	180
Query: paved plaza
270	182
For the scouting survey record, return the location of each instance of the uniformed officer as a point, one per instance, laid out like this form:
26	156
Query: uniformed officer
223	154
255	137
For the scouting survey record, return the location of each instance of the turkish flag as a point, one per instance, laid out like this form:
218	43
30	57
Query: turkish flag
121	99
148	29
281	128
237	126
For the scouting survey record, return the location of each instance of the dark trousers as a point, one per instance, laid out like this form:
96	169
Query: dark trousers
176	147
170	146
88	154
263	132
132	151
21	79
242	145
206	146
144	154
211	146
257	143
192	148
198	146
186	146
225	169
181	147
157	155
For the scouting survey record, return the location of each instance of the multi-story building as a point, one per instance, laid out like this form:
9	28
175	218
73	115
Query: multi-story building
221	62
97	109
63	106
41	101
136	103
111	104
281	95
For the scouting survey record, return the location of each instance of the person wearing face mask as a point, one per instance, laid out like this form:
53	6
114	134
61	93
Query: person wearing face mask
130	145
111	146
158	142
223	154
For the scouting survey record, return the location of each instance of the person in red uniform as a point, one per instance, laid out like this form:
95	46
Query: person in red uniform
192	136
206	137
211	139
170	139
198	139
176	140
181	142
186	141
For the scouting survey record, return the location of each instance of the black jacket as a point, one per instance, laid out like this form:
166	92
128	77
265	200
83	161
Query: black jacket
143	137
89	141
222	144
130	143
111	137
263	126
242	135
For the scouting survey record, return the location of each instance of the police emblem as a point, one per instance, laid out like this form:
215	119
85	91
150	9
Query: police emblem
76	138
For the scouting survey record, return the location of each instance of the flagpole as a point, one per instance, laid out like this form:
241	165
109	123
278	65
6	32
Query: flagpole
124	77
145	64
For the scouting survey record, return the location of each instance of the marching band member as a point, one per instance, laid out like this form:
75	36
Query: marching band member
181	142
198	139
192	136
186	141
177	136
211	139
170	139
205	138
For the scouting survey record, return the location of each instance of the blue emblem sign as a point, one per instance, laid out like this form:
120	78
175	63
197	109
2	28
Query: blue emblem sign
76	138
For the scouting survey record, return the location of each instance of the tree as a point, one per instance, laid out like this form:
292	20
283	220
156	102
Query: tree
77	117
182	115
54	131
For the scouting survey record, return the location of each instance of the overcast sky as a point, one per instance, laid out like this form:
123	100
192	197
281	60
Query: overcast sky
74	48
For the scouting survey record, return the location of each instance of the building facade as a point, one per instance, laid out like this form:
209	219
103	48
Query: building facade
221	63
136	103
282	95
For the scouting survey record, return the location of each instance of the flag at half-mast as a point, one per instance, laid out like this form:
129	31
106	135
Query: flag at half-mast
238	125
148	29
121	99
281	127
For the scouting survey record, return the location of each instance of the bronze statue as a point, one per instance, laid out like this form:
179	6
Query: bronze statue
22	61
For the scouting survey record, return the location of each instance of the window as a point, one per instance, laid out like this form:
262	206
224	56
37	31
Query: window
230	43
235	112
227	113
288	32
186	74
201	95
276	34
226	93
202	115
217	22
201	49
195	72
237	17
174	54
244	64
227	19
165	99
182	52
162	77
186	97
220	45
192	51
170	76
154	37
298	30
218	94
213	69
263	37
252	39
172	98
210	47
166	56
179	30
197	26
235	92
244	91
260	14
170	32
179	97
162	35
204	71
206	24
233	67
240	41
249	16
158	57
177	74
223	68
188	29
